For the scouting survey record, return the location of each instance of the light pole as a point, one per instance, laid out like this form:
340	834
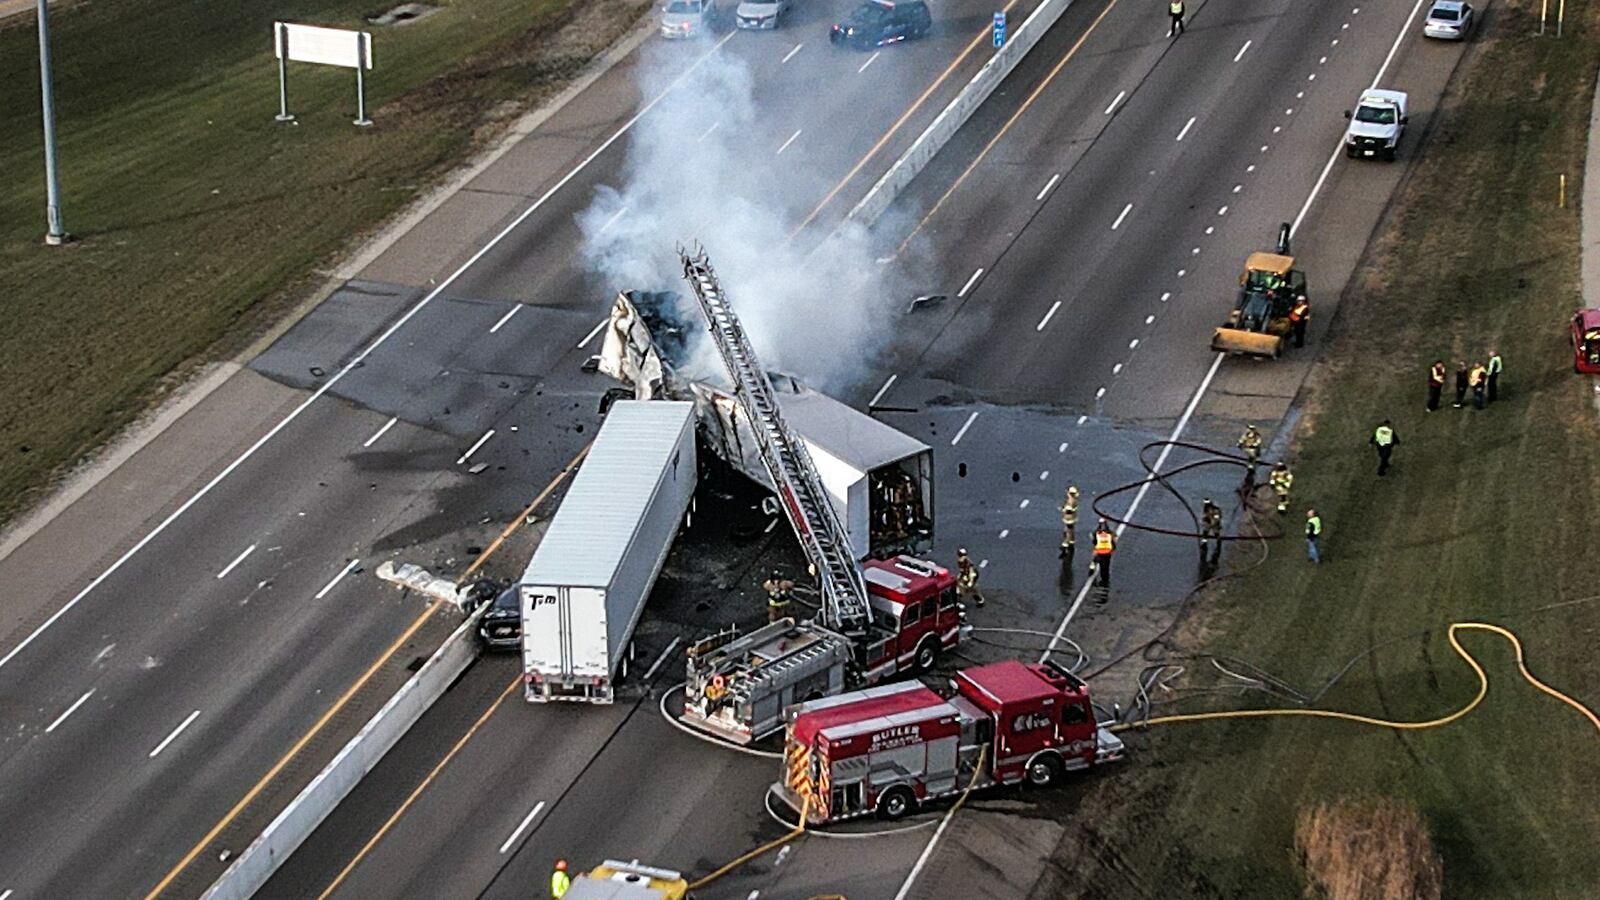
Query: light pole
56	236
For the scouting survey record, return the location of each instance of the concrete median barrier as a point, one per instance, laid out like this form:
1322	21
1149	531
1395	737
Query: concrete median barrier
340	776
952	117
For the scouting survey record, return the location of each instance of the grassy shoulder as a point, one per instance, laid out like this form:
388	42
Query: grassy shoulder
1487	516
199	217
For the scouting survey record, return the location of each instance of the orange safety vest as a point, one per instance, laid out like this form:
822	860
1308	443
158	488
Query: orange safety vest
1302	310
1104	543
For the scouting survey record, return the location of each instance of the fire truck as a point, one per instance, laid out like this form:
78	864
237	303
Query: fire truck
877	619
890	749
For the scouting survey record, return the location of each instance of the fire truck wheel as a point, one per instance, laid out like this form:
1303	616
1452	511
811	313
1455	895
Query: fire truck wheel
1044	771
897	803
927	654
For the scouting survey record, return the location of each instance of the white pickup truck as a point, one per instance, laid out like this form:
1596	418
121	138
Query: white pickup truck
1376	124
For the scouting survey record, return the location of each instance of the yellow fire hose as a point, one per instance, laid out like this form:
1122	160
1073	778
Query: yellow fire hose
799	829
1483	690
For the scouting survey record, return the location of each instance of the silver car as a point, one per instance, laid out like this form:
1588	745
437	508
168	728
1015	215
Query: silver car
687	18
1449	20
761	14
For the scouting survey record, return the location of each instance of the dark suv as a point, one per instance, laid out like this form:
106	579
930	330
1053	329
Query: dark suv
879	22
501	625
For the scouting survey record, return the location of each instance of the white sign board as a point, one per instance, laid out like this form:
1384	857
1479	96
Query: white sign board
328	46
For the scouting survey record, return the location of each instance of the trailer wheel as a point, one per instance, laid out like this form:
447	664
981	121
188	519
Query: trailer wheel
1044	771
897	803
927	654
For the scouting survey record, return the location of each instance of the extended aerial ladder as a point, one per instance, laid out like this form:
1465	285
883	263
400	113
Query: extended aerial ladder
805	502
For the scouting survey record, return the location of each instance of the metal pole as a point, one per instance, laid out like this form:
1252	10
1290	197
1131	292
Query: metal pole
1544	10
361	84
56	235
283	75
1561	16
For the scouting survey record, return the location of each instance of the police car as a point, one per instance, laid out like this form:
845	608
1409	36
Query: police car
879	22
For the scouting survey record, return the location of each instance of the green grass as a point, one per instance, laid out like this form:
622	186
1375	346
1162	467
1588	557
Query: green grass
200	217
1487	516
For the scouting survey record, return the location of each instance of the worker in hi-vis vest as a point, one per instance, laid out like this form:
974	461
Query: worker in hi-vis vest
559	882
1105	544
1175	10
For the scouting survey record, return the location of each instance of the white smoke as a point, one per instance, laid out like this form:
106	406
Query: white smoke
702	168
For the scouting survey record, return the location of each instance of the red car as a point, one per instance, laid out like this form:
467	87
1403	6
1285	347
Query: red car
1586	341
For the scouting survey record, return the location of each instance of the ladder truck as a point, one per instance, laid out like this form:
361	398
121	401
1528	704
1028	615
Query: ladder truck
877	619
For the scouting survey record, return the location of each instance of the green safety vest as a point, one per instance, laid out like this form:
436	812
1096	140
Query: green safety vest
1176	7
559	882
1495	365
1314	526
1384	436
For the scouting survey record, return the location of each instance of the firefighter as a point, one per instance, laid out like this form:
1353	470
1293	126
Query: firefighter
1384	438
559	882
1105	544
1299	319
1435	384
1175	13
1069	522
1250	443
1211	529
1281	481
778	589
967	577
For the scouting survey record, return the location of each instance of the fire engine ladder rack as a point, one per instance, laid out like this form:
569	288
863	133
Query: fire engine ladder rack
777	669
816	524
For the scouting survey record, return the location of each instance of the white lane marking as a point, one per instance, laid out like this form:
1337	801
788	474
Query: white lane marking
1048	185
474	448
1210	229
1237	188
336	579
174	735
1250	168
1081	420
881	391
1223	211
1100	393
1335	43
505	318
983	563
714	126
1277	128
357	361
236	560
1165	296
1046	320
868	62
790	55
380	432
964	426
1186	126
1045	474
611	221
1264	148
1023	505
1150	319
789	141
1344	26
1300	95
1120	95
59	719
521	826
1195	252
8	893
1122	215
1312	77
1355	11
970	282
1182	272
651	672
1133	344
592	332
1240	55
1322	61
1063	447
1004	532
1116	370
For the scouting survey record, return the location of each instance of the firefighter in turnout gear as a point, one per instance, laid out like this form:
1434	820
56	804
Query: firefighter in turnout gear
778	589
1105	544
967	577
1250	443
1211	528
559	882
1282	479
1069	522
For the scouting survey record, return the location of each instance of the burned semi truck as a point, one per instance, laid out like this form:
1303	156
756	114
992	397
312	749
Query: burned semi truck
879	479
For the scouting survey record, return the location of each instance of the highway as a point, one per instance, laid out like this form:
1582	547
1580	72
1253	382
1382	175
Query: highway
175	646
1087	254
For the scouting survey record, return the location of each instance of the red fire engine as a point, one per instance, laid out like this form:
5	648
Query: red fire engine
890	749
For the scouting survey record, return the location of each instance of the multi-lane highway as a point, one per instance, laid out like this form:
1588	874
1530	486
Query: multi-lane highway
178	644
1089	227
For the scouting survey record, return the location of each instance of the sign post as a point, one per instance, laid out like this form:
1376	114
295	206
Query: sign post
999	29
325	46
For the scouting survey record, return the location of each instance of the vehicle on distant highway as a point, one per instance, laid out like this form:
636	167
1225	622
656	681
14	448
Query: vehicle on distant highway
876	23
1586	342
889	750
1449	20
1376	124
687	18
761	14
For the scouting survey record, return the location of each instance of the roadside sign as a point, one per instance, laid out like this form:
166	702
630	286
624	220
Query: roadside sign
999	29
324	46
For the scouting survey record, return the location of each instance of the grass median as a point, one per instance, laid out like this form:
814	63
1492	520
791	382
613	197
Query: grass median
199	218
1488	516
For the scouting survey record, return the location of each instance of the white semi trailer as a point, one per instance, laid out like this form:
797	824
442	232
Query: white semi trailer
585	588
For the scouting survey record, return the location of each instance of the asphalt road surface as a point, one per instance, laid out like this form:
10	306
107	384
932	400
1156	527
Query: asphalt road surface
169	640
1087	256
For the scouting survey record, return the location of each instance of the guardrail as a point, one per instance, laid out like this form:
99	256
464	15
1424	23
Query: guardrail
340	776
952	117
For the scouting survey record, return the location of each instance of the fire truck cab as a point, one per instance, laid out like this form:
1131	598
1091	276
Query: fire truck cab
915	612
1586	341
890	749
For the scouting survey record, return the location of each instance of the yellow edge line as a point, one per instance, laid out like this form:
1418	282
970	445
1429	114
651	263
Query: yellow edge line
1009	122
